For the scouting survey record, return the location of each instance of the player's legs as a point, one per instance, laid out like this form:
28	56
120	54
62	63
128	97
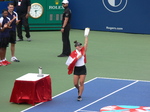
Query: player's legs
12	48
2	53
12	40
81	87
0	50
76	81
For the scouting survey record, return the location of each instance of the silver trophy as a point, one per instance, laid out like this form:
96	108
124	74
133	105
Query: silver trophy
40	72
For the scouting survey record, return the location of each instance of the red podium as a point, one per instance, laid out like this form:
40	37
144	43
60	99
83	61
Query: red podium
32	89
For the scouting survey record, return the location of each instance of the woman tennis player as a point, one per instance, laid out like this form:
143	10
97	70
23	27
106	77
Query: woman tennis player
76	62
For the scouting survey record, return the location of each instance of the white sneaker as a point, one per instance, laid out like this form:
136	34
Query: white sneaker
28	39
14	59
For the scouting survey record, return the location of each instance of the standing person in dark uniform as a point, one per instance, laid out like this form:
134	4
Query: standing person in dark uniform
11	14
65	30
23	9
5	23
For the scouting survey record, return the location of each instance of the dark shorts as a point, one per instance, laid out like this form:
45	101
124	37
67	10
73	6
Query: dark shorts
12	37
4	41
80	70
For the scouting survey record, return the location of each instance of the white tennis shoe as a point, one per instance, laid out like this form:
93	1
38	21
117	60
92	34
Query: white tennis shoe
14	59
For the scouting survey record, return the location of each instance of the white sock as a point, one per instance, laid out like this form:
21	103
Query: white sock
13	57
4	59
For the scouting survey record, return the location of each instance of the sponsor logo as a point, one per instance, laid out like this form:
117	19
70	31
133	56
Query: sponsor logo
114	28
57	5
115	6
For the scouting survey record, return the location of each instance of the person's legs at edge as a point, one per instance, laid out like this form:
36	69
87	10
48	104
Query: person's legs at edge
19	31
66	42
26	27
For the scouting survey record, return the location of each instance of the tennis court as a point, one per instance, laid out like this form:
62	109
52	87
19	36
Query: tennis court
108	92
110	55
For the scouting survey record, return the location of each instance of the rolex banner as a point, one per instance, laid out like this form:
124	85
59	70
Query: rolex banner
131	16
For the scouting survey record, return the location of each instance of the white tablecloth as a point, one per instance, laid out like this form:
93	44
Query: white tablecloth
31	77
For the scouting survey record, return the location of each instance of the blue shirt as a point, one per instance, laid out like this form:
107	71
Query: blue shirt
5	33
13	24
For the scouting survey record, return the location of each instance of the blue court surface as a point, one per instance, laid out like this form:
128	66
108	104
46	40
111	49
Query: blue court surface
98	93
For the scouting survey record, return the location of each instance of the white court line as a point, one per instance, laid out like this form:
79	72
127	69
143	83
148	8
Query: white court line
122	79
107	95
57	95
